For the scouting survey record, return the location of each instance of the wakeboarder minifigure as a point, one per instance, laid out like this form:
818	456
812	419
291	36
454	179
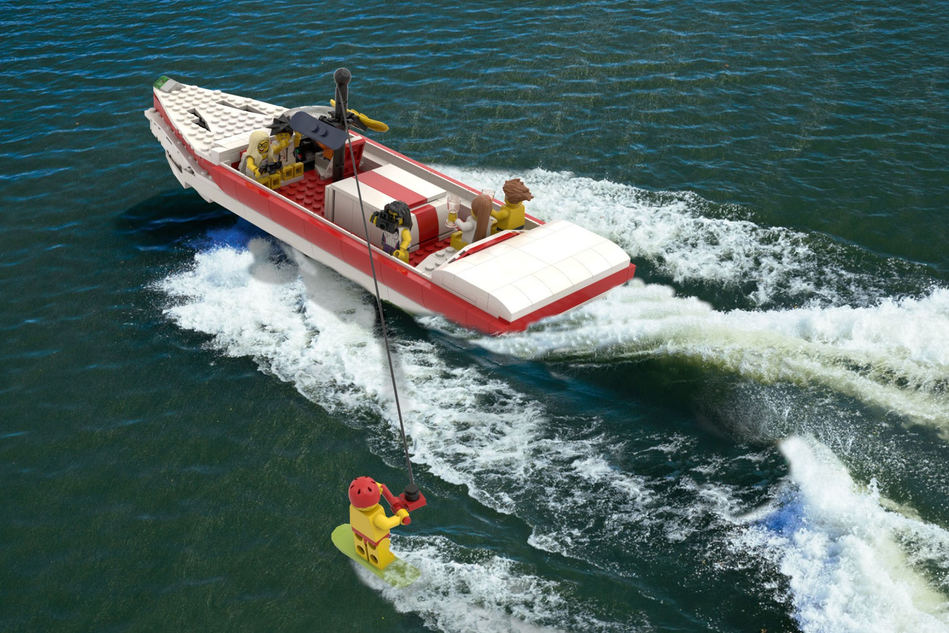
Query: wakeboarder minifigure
369	522
395	220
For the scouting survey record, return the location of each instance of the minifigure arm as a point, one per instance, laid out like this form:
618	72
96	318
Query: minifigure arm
406	239
502	213
374	217
252	165
382	522
391	499
403	251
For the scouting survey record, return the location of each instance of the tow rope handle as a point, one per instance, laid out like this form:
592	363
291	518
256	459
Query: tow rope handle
410	500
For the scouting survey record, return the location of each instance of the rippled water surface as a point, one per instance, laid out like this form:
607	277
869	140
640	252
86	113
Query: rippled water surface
752	435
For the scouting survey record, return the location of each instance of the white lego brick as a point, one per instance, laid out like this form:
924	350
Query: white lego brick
490	272
582	239
550	247
534	288
573	270
613	254
502	248
459	268
556	281
345	210
515	258
594	262
422	187
509	303
458	286
329	203
372	199
530	236
225	151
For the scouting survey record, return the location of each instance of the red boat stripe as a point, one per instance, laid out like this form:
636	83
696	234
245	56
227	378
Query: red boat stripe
426	217
392	188
341	245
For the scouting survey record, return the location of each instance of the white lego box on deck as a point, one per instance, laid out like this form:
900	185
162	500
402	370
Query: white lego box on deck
341	203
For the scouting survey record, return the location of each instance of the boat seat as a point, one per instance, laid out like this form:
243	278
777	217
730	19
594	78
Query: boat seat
427	202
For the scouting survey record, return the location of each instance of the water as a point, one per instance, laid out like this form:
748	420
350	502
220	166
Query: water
751	435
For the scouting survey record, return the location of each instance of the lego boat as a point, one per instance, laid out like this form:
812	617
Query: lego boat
501	283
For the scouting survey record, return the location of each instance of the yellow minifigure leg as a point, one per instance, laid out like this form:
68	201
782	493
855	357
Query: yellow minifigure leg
380	556
456	242
361	546
266	180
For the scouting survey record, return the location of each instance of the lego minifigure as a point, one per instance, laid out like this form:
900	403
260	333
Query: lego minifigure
258	161
466	223
511	214
369	522
395	220
284	149
475	227
481	209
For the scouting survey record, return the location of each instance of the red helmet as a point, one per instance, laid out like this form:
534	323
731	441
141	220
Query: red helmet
364	492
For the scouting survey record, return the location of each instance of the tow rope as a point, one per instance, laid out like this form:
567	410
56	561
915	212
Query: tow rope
343	101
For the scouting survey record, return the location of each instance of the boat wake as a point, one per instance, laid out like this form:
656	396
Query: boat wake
683	240
474	590
598	496
852	564
306	325
893	356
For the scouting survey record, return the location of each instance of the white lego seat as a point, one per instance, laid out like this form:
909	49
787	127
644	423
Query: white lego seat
377	188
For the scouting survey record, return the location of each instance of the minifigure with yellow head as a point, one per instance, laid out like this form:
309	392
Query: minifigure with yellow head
395	220
369	522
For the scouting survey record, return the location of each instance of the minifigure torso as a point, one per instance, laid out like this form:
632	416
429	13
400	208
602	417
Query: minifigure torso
284	147
467	228
372	522
510	216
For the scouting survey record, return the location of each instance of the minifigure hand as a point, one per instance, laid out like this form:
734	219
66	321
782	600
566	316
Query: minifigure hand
404	515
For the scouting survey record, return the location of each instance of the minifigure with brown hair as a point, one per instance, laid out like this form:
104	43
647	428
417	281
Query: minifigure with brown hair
475	226
511	214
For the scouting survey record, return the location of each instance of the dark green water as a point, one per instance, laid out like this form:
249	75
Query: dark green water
753	435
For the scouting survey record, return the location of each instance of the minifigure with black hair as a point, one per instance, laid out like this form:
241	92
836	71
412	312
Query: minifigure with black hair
395	220
284	149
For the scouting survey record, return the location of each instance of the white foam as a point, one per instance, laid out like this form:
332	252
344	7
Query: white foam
894	355
462	589
306	325
470	427
851	564
889	353
670	231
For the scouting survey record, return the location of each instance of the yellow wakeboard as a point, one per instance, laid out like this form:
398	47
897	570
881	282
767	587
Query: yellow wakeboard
398	573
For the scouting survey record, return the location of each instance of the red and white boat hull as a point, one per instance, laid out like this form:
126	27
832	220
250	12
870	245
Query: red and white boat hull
499	284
